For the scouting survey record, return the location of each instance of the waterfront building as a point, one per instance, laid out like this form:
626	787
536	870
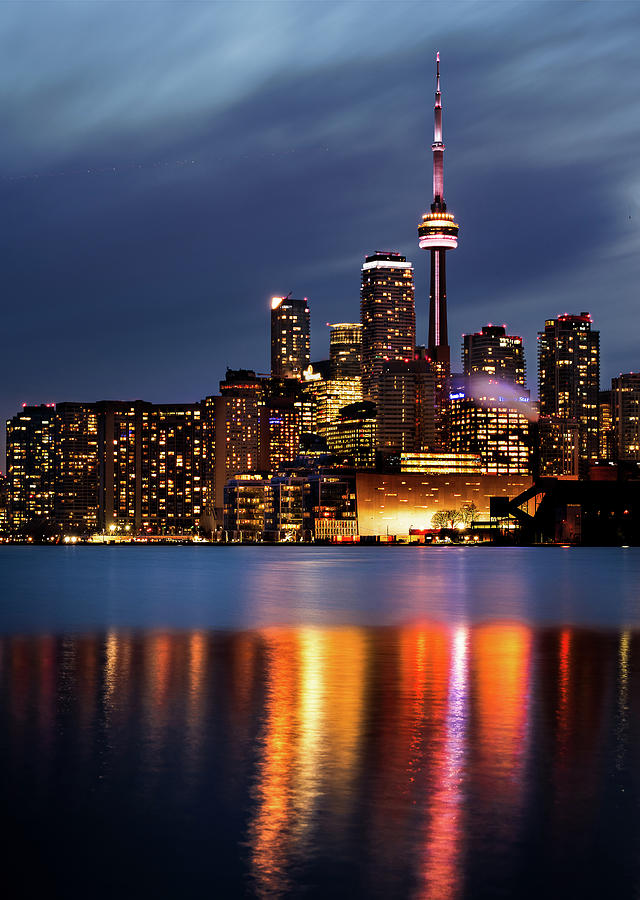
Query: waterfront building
330	504
625	402
174	466
397	504
569	380
387	314
290	337
5	526
30	458
488	418
494	352
558	447
237	414
345	349
284	518
260	507
406	407
76	465
438	234
353	435
244	506
123	447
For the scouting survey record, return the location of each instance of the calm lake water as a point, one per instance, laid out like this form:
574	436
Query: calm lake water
291	721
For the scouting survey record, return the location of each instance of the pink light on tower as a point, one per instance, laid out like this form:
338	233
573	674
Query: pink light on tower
438	232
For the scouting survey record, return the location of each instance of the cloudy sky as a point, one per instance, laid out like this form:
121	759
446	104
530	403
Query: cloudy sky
165	168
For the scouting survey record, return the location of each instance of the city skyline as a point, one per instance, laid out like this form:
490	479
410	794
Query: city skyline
72	238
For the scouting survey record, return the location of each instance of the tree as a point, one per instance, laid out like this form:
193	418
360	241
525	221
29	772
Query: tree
446	518
469	513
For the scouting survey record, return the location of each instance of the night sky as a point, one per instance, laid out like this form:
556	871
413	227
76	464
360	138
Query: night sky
167	168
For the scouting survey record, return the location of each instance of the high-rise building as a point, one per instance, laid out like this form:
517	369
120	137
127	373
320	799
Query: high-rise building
76	465
280	431
238	413
123	447
345	349
488	420
625	400
388	315
608	451
406	407
328	397
558	447
494	352
174	501
290	337
353	436
438	233
569	380
30	457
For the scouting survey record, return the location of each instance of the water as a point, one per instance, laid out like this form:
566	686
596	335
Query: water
368	722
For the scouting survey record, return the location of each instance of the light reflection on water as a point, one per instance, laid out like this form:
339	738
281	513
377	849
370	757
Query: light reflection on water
430	760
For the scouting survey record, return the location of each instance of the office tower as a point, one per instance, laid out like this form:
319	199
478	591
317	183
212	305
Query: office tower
123	445
345	349
438	233
76	464
608	452
174	466
30	456
290	337
494	352
569	379
406	407
281	427
387	313
237	413
328	396
353	435
558	447
487	419
625	397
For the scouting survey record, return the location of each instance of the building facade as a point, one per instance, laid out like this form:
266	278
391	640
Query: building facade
30	485
625	403
569	379
488	421
345	349
388	316
495	353
290	337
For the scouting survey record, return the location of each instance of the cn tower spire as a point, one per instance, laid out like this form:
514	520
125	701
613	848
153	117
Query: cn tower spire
437	233
437	146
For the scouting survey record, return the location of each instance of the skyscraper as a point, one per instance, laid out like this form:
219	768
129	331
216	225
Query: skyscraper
290	340
406	406
437	233
345	349
76	467
494	352
569	380
489	419
30	456
388	315
625	400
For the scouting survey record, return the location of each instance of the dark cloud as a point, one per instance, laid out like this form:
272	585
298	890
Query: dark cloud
167	167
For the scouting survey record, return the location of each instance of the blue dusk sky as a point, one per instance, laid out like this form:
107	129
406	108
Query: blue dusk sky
167	167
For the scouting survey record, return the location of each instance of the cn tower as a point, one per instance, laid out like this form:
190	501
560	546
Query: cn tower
438	232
